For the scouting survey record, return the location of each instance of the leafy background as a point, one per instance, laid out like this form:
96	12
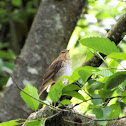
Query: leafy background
99	95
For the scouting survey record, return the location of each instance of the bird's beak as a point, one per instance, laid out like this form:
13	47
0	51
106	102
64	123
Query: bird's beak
68	50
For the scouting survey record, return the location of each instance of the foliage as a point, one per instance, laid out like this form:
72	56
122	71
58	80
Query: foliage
6	64
29	100
15	21
104	94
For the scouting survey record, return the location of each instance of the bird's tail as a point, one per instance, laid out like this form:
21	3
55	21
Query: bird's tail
41	89
44	86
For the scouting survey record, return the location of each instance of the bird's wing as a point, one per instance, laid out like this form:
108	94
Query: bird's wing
50	72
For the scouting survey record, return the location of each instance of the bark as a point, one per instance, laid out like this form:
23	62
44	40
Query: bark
68	118
50	32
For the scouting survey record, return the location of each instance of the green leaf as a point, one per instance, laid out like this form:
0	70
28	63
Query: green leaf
4	45
76	75
105	93
74	94
65	102
56	91
71	87
118	55
98	112
11	123
36	122
84	74
7	55
93	85
105	73
124	99
113	64
89	55
17	3
103	45
116	111
9	65
29	100
115	80
102	113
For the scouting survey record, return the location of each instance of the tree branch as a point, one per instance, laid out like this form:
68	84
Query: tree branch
116	34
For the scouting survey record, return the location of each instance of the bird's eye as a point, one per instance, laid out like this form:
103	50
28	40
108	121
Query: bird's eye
63	52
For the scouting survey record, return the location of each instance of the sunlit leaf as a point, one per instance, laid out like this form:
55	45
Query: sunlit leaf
103	45
29	100
11	123
118	55
36	122
105	73
113	64
89	55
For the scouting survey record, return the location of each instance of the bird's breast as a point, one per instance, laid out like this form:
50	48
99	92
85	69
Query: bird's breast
65	70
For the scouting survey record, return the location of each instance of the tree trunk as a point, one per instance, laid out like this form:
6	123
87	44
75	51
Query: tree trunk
50	32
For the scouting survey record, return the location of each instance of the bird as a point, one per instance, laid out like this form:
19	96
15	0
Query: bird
61	66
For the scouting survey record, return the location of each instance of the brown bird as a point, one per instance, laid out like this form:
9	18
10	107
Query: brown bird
61	66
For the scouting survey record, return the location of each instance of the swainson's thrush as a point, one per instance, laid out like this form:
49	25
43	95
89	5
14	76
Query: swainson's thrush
61	66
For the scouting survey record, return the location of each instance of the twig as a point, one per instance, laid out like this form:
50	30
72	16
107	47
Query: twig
97	98
110	119
77	122
36	98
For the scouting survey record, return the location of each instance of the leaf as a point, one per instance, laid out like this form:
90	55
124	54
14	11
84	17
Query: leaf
115	80
11	123
113	64
17	3
71	87
36	122
103	45
76	75
74	94
105	93
7	55
29	100
105	73
89	55
102	113
65	102
118	55
4	45
116	111
56	91
93	85
84	74
98	112
124	99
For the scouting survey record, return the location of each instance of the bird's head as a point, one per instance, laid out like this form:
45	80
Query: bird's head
65	53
